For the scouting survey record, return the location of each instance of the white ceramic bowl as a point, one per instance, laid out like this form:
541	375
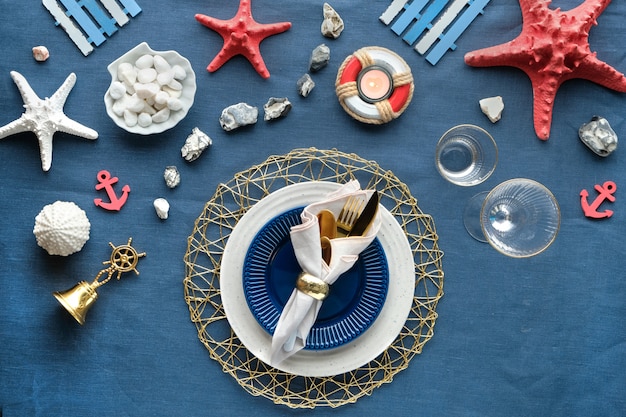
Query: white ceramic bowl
187	97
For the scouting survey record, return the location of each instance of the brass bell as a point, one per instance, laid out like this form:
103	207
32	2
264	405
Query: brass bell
78	299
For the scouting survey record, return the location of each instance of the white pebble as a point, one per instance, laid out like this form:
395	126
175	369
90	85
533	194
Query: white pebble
144	120
126	73
164	78
162	208
130	118
174	104
161	116
161	97
148	109
179	72
145	61
161	65
175	85
145	91
117	90
146	75
120	106
172	92
135	104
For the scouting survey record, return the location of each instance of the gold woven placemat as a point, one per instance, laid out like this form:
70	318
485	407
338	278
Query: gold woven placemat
202	287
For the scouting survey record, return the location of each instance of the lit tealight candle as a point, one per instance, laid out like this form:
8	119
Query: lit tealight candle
374	84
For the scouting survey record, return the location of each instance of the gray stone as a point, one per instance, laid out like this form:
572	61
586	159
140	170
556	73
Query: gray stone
238	115
319	58
598	135
171	176
305	85
332	26
195	144
276	108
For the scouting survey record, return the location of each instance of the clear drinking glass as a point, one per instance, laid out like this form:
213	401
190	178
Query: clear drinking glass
466	155
519	218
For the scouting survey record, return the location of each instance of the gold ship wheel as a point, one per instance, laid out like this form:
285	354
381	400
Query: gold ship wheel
124	258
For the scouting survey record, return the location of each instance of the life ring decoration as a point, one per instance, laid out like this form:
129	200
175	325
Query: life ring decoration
374	85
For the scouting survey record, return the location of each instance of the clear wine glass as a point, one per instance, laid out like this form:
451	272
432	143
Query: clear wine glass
519	217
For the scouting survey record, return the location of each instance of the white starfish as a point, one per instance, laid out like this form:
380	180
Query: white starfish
45	117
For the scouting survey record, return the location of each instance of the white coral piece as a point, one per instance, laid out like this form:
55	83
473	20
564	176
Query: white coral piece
62	228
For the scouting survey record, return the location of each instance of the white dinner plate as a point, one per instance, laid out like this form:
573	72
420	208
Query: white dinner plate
328	362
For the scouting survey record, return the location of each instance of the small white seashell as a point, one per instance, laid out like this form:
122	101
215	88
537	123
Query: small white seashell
332	26
492	107
162	208
41	53
61	228
195	144
171	176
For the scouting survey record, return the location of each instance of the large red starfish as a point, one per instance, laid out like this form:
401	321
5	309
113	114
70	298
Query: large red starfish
552	48
242	36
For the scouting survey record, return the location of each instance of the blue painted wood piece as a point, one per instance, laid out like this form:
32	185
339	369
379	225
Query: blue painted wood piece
454	32
107	25
93	32
411	13
425	22
131	7
92	19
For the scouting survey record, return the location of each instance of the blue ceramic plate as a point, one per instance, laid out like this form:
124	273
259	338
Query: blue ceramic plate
355	300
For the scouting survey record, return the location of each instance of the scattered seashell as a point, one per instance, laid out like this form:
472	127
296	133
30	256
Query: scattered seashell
305	84
171	176
238	115
275	108
492	107
332	26
162	208
319	58
61	228
41	53
598	135
195	144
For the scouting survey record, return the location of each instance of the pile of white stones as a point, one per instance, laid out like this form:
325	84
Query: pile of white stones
147	91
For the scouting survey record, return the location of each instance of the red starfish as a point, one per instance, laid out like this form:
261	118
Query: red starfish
552	48
242	36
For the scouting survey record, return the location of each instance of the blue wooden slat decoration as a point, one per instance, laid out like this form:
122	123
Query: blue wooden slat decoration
411	13
107	25
84	12
415	19
425	22
132	8
93	32
452	34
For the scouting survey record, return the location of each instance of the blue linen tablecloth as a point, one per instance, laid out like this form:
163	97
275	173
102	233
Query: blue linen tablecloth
543	336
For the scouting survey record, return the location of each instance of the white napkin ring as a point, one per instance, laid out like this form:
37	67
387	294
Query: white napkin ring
312	286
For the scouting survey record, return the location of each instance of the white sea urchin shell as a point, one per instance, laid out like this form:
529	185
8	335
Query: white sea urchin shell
62	228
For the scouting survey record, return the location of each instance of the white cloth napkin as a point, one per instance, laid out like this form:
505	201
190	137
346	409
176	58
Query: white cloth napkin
301	310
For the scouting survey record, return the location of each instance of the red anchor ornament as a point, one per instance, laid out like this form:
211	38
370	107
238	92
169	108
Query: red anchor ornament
605	193
106	181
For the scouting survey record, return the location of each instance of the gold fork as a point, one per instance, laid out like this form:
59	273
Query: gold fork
349	214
